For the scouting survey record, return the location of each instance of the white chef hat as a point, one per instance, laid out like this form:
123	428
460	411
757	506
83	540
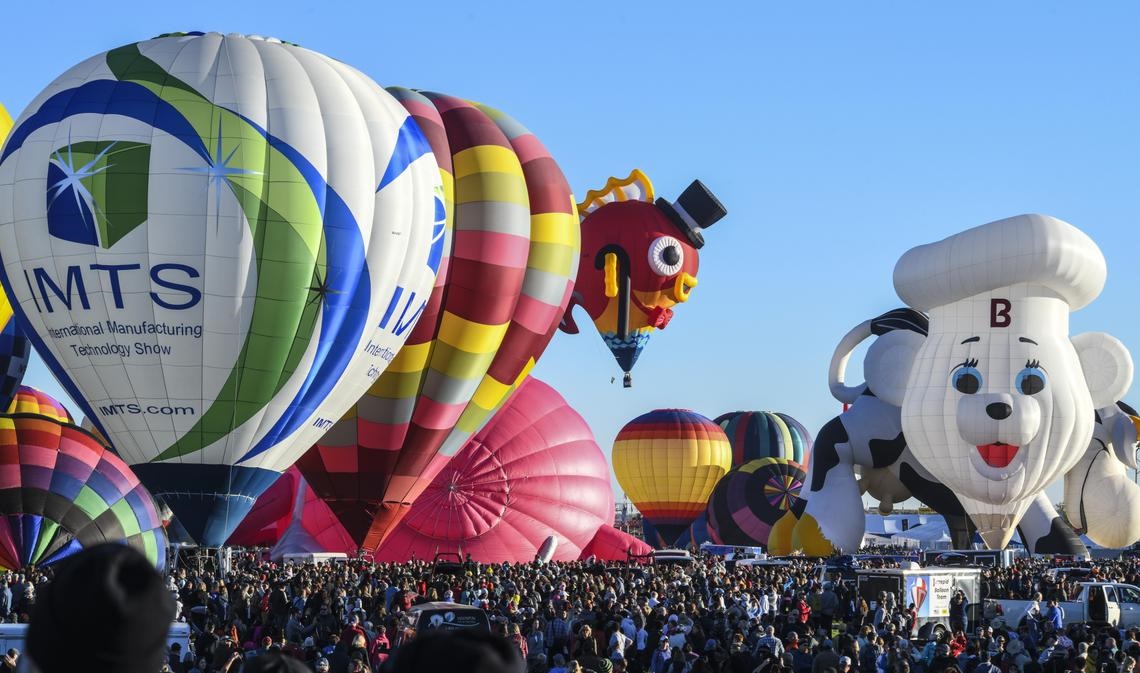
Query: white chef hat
1036	250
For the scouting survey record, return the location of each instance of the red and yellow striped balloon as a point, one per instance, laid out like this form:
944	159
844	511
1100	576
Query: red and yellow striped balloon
668	461
512	256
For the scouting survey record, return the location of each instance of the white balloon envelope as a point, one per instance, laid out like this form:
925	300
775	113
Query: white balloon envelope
217	243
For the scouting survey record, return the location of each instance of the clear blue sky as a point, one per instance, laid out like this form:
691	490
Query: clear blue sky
837	134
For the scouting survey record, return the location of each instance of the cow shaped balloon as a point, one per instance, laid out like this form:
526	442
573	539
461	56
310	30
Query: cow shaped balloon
997	400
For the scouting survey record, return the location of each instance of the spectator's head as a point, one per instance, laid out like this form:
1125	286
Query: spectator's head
457	651
322	665
110	606
274	662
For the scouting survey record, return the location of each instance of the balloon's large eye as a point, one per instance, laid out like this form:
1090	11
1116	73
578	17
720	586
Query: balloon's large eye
666	256
967	379
1030	380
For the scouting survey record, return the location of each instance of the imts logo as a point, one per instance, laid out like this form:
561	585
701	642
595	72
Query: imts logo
48	294
96	195
97	191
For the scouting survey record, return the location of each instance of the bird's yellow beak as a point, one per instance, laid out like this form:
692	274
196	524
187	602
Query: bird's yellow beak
683	286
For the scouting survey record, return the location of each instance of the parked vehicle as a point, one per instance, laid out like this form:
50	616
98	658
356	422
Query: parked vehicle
12	636
992	558
930	589
1097	603
446	616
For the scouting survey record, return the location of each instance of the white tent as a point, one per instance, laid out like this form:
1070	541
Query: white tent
931	535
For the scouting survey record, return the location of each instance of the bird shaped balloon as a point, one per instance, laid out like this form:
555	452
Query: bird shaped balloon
639	260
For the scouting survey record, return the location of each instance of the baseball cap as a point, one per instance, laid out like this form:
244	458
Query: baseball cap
844	661
322	663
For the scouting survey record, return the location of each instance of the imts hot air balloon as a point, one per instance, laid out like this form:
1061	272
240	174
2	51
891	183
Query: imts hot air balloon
667	462
61	490
15	349
217	243
639	259
765	434
750	499
504	282
532	472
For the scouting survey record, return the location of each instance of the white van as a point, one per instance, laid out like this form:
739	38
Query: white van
14	635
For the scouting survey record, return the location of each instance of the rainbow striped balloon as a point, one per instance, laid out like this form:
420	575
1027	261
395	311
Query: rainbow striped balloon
765	434
668	461
62	490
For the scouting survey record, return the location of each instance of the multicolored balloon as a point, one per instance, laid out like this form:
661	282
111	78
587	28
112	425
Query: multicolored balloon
639	259
750	499
667	462
765	434
532	472
508	264
61	490
221	242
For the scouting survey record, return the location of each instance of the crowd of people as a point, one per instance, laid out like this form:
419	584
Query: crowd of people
707	617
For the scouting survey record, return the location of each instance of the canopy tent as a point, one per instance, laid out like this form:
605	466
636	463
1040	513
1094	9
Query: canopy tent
931	535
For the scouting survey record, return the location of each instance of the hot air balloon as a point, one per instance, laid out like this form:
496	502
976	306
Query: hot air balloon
533	471
508	267
750	499
611	544
15	349
765	434
217	244
667	462
290	502
639	259
61	490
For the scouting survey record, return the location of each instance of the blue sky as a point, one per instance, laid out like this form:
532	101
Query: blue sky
838	135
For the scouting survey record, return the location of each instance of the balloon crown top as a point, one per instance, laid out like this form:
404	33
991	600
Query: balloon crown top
198	33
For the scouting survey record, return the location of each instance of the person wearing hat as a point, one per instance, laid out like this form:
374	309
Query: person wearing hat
1015	655
109	606
826	658
661	656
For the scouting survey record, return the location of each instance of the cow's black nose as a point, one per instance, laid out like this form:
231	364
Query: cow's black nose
999	410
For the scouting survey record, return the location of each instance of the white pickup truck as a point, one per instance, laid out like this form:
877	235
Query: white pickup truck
1098	602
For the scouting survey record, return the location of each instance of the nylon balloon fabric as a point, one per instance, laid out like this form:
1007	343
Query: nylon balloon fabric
61	490
611	544
533	471
765	434
227	239
277	509
667	462
509	262
750	499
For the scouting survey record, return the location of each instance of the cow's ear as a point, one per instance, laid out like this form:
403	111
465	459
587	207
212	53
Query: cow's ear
888	363
1107	366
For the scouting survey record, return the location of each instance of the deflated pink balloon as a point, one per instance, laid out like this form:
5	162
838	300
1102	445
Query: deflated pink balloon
533	471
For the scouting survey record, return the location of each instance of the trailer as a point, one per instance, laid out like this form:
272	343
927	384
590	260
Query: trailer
930	589
991	558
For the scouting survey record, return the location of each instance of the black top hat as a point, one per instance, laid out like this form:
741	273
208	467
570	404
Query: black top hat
694	210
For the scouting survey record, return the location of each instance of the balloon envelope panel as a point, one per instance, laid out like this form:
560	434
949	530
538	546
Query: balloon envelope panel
222	241
532	472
